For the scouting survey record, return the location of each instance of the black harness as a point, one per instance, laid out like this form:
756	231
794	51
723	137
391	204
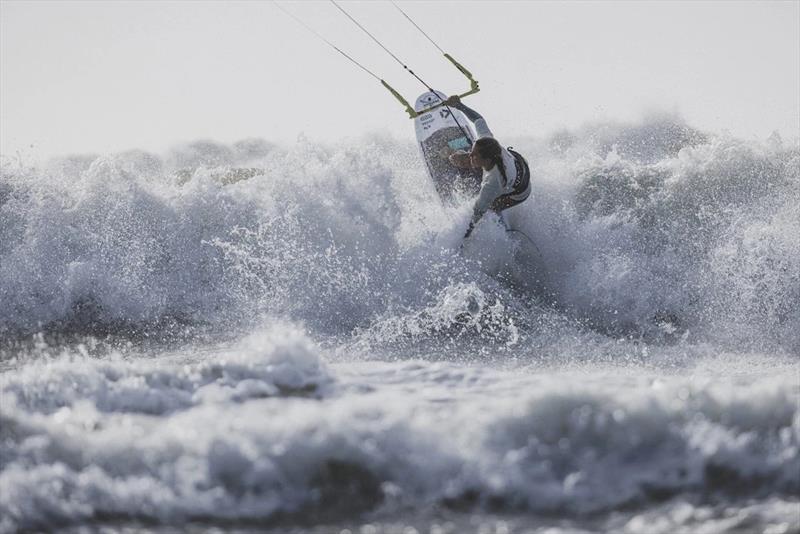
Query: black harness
523	172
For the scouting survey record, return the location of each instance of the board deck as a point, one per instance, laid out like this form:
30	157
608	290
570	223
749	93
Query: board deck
438	136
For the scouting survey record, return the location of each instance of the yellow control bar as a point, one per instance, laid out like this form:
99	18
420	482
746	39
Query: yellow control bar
473	88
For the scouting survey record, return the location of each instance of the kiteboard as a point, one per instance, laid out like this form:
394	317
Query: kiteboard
440	132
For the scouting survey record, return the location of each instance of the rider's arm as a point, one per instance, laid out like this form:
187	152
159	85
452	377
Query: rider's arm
482	203
481	128
479	209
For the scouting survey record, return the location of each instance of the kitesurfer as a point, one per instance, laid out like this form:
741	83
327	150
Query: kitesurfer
506	176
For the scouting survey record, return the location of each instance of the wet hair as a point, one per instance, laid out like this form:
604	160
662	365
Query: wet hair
489	148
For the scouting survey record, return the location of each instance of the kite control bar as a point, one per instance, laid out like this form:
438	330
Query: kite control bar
473	88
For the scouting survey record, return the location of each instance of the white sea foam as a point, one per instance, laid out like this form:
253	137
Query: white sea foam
224	441
696	234
654	380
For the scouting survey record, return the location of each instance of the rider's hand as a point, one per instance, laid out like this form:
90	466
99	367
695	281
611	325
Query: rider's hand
460	159
454	100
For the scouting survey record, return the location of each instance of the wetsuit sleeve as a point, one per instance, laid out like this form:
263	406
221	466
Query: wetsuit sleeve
482	203
481	128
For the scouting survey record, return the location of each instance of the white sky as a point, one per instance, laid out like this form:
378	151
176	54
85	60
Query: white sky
108	76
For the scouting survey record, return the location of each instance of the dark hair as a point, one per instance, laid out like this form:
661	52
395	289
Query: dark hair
489	148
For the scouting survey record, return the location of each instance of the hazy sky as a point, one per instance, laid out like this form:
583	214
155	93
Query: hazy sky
106	76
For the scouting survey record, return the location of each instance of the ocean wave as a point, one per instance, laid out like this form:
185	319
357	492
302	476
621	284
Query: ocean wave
398	435
652	230
279	362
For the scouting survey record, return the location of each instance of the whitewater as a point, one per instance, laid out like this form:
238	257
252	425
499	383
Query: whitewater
286	338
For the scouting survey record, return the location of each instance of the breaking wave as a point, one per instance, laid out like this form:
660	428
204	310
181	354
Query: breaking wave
265	432
653	230
338	355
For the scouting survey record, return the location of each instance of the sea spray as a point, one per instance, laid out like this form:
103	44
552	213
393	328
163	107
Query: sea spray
252	336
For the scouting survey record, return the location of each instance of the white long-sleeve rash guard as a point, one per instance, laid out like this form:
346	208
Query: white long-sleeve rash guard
493	184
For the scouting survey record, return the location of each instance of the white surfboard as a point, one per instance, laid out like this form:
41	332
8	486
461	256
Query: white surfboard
438	136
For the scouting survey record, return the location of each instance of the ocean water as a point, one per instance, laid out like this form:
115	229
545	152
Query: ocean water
257	337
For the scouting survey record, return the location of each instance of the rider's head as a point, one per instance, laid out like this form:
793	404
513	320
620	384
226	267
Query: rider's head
486	153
